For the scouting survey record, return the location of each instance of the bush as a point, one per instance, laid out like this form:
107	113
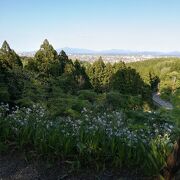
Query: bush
116	100
88	95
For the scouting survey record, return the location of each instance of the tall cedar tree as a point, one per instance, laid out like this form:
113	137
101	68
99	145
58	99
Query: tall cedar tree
11	75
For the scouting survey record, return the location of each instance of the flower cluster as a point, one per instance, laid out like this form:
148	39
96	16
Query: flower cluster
111	125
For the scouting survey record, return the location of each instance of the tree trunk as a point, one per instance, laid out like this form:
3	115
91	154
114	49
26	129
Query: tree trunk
172	169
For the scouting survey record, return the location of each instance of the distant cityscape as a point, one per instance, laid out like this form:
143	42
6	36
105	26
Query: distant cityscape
109	55
112	58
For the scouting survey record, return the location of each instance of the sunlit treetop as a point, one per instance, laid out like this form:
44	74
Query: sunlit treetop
9	57
5	47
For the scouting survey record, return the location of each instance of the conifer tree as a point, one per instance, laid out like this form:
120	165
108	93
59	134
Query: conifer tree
65	63
8	57
80	76
47	60
96	74
128	81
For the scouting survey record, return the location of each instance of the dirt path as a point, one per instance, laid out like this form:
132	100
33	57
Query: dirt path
14	167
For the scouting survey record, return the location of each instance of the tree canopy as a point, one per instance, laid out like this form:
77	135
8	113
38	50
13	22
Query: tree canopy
8	57
53	79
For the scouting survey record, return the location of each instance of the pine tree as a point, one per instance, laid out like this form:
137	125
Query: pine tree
108	72
8	57
64	60
154	82
128	81
96	75
47	60
4	94
80	76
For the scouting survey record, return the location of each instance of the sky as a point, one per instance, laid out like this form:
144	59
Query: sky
150	25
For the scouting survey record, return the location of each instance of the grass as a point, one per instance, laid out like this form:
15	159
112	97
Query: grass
176	104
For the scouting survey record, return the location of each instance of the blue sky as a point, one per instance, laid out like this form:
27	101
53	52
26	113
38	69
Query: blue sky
91	24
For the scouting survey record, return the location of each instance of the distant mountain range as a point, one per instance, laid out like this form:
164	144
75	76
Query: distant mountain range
117	52
79	51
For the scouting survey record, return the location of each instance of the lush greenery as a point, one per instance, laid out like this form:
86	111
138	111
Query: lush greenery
64	87
176	111
109	139
165	73
165	78
92	114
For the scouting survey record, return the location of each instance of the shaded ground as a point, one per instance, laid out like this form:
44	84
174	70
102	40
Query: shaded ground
15	167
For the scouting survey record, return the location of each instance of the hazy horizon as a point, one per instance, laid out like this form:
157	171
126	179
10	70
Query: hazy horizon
97	50
134	25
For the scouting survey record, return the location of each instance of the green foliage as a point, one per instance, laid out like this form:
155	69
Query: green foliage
31	64
96	74
84	113
118	66
89	95
4	94
11	76
128	81
175	98
15	84
46	59
81	77
163	70
154	82
8	57
116	100
63	58
108	72
66	105
108	140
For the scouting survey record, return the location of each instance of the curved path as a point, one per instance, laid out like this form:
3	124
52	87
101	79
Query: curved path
160	102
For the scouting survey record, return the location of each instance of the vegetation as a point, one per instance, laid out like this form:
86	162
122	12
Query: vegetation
109	139
97	115
165	78
164	73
